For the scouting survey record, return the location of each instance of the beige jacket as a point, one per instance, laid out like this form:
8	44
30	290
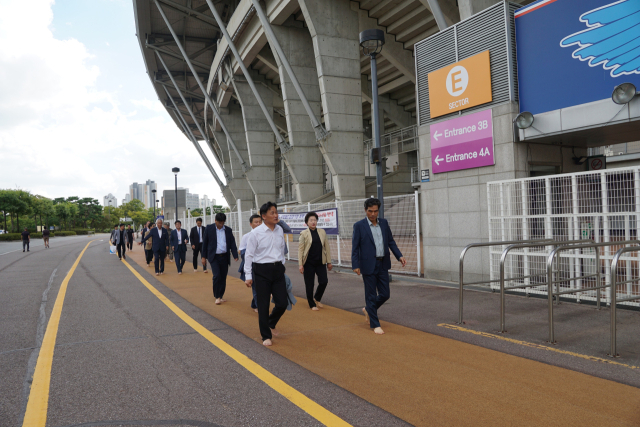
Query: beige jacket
305	244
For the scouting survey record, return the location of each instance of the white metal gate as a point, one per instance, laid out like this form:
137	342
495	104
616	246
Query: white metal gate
598	205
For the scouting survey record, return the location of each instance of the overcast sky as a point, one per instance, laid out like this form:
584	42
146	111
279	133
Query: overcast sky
78	114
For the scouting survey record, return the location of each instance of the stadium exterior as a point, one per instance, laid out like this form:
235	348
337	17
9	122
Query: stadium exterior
291	121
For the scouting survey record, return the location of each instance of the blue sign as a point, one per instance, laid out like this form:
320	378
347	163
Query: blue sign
160	217
572	52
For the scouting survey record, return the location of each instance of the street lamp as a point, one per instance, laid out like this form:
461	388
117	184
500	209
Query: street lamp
372	42
154	204
175	171
109	212
624	93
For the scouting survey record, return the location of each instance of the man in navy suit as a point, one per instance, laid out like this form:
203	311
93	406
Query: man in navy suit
370	257
217	245
179	240
195	238
159	245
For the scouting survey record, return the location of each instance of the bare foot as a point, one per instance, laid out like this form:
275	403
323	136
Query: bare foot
255	309
267	342
217	301
319	304
180	273
206	271
157	274
223	300
275	332
315	309
195	271
366	315
378	331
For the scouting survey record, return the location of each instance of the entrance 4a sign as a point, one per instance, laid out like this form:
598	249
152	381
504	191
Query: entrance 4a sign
462	143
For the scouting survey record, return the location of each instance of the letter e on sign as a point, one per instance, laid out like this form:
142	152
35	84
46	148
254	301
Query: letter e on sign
461	85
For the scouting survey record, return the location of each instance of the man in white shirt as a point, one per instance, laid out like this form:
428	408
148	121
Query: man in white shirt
160	245
197	233
264	270
254	221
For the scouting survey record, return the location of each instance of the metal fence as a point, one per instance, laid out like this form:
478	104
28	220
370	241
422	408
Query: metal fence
396	142
602	206
400	211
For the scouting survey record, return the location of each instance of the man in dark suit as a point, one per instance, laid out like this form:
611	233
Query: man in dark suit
370	257
179	240
159	245
217	244
197	233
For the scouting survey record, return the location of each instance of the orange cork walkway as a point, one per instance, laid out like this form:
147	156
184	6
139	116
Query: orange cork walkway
424	379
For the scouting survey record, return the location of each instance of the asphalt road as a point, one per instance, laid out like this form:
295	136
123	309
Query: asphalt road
123	358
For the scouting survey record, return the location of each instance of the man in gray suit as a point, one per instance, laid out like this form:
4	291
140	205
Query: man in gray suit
121	239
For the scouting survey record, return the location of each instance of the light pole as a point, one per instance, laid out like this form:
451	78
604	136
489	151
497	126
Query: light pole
175	171
154	204
371	42
109	212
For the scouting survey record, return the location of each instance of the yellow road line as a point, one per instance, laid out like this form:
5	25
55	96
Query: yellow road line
539	346
36	413
303	402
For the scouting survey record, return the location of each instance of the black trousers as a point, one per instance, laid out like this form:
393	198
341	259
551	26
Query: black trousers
158	260
197	254
268	280
220	268
180	254
376	291
310	272
148	255
130	244
121	247
25	243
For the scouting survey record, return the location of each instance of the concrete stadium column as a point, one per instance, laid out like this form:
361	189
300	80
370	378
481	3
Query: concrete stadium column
334	25
471	7
227	193
239	185
260	142
305	160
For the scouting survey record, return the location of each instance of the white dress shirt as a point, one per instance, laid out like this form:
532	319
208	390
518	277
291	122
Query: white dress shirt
200	234
263	246
221	237
179	236
243	241
159	232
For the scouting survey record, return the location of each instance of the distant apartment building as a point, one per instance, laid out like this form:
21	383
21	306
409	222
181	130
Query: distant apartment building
143	192
205	202
110	200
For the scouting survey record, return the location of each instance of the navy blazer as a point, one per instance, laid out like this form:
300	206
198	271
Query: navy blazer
210	243
363	248
174	239
157	244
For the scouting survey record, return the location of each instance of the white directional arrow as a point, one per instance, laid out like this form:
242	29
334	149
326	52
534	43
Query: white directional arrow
438	159
436	135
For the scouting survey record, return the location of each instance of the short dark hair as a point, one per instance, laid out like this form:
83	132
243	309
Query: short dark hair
121	225
199	219
252	217
221	217
309	215
371	202
265	208
177	221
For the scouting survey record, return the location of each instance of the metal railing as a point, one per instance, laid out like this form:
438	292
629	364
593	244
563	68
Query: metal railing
526	278
484	282
396	142
598	275
614	293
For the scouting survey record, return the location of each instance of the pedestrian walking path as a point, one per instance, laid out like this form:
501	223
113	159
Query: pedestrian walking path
419	377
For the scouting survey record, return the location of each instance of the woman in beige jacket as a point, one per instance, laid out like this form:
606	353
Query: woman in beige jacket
314	258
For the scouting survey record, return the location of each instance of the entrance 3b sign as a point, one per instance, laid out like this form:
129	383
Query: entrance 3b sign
462	143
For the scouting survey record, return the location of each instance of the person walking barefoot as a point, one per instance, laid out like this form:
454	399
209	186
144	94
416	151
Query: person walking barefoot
370	257
314	259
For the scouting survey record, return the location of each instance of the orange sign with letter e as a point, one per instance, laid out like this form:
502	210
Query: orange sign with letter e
461	85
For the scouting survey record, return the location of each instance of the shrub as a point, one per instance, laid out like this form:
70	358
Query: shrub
10	236
82	231
65	233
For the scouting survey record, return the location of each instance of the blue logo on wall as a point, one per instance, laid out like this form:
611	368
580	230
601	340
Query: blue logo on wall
573	52
612	38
